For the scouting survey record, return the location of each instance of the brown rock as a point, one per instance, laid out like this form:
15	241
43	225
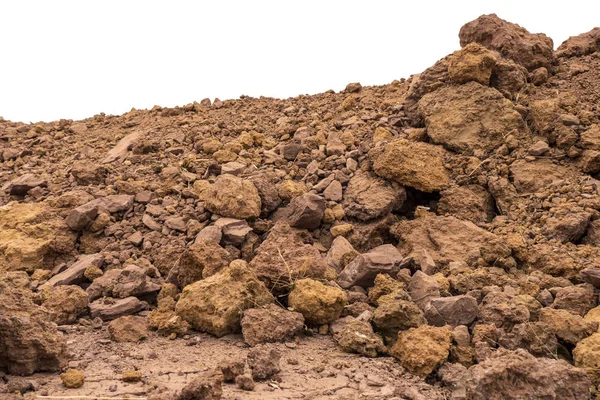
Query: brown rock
128	329
472	63
23	184
215	305
368	197
414	164
586	355
270	324
470	119
423	288
65	303
232	369
395	313
422	350
320	304
122	283
576	299
385	284
502	310
119	152
202	259
29	342
86	173
470	203
306	211
453	311
510	40
356	336
73	378
340	254
567	327
131	376
263	362
580	45
108	308
245	382
206	386
233	197
164	319
519	375
364	268
76	272
535	337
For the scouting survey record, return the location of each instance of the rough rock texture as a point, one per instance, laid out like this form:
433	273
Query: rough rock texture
417	165
270	324
519	375
422	350
263	361
29	342
354	335
470	203
233	197
121	283
586	355
128	329
363	269
368	197
201	260
306	211
215	305
580	45
470	119
472	63
510	40
73	378
65	303
320	304
206	386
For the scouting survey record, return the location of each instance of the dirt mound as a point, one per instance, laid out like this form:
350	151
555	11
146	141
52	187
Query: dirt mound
432	238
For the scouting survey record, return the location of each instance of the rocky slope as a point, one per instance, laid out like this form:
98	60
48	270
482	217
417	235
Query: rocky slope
434	238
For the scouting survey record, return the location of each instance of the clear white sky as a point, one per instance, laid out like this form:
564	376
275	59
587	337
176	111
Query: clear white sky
74	59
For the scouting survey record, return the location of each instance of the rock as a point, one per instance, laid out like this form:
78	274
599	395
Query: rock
164	319
538	148
414	164
23	184
423	288
282	258
501	309
335	146
368	197
385	284
176	224
533	177
32	236
128	329
245	382
453	311
364	268
422	350
151	223
29	342
75	273
202	259
353	87
519	375
509	78
396	313
82	217
136	238
65	303
211	232
231	369
86	173
472	63
567	228
470	119
356	336
535	337
306	211
267	190
586	355
576	299
449	239
581	45
318	303
73	378
122	283
108	309
591	275
340	253
567	327
131	376
233	197
372	233
215	305
234	231
206	386
119	152
270	324
263	362
510	40
470	203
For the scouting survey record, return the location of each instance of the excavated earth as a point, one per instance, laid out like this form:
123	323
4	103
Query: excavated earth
434	238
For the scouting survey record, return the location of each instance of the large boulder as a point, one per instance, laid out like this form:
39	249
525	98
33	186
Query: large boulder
29	342
422	350
519	375
510	40
448	239
32	236
471	119
201	260
368	197
318	303
283	257
233	197
216	304
414	164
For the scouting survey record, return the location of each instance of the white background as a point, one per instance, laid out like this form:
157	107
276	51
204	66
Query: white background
74	59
